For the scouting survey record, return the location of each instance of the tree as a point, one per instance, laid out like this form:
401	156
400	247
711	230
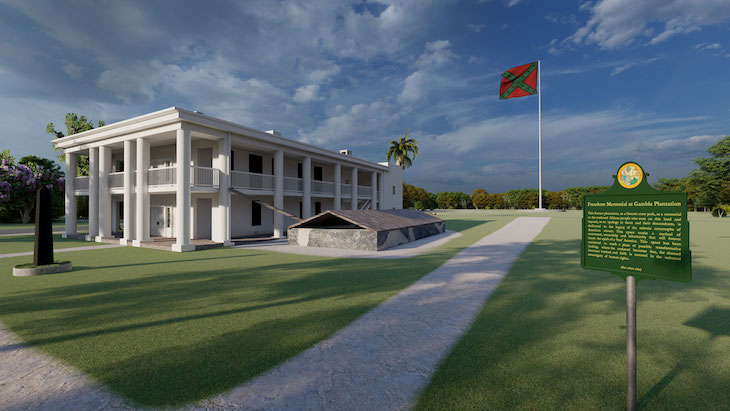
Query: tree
5	155
447	200
75	124
712	177
401	150
19	183
480	198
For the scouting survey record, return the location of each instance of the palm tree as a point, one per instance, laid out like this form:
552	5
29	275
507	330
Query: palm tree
400	151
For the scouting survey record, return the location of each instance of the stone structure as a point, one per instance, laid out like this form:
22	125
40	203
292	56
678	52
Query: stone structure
370	230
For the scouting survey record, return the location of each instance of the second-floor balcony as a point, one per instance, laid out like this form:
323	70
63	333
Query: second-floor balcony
207	177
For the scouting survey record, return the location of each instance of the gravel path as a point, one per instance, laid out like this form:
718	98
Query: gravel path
31	380
402	251
384	359
63	250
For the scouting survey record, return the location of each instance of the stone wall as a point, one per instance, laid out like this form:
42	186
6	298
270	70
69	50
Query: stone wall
361	239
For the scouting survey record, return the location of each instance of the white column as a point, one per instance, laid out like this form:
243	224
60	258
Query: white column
307	194
182	195
142	195
279	193
129	147
374	190
338	186
223	233
381	192
70	196
105	199
93	194
353	180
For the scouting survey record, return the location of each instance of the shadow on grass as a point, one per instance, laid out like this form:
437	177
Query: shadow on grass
549	338
165	329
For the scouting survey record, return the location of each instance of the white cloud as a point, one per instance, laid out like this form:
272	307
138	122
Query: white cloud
72	70
623	67
511	3
350	128
437	54
476	28
427	78
616	23
306	94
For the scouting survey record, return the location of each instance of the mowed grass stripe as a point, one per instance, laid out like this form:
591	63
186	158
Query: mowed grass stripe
24	243
552	336
165	329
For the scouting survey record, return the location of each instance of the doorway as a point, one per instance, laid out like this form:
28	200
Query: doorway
203	218
161	221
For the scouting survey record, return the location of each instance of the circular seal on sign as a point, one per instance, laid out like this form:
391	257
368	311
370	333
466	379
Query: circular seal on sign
630	175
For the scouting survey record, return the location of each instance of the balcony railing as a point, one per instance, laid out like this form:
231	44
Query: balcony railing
116	179
204	176
346	190
323	187
162	176
364	191
81	183
293	184
252	181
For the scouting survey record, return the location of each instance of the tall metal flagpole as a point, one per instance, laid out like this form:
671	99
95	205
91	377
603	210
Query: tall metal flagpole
539	133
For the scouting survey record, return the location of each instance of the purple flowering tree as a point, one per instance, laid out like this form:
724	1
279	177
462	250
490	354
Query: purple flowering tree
19	183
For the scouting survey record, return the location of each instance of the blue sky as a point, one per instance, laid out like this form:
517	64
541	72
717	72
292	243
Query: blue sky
622	79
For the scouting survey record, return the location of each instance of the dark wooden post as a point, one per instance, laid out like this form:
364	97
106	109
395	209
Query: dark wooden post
43	249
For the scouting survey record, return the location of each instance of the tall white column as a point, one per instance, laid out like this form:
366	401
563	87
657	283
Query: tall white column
279	193
70	196
224	152
182	204
128	203
105	199
374	190
338	186
307	194
353	180
142	195
381	191
93	194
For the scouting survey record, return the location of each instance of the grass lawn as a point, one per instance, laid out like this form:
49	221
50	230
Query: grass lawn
22	243
31	226
165	329
552	336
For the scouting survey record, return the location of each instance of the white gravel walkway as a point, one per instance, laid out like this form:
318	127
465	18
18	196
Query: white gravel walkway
63	250
31	380
402	251
384	359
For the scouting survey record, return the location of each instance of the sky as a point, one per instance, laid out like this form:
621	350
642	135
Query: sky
622	80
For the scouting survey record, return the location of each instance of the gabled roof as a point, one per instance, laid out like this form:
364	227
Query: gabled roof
373	220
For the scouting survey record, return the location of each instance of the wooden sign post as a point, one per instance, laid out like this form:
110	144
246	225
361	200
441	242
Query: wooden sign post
638	233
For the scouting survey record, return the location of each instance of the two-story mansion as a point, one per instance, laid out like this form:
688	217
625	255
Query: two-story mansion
176	174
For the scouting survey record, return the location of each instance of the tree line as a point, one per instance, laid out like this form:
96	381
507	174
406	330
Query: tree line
707	188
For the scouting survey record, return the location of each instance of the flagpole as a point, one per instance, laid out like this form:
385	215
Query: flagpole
539	134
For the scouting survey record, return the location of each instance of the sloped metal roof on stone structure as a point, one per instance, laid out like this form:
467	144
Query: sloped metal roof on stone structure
373	220
371	230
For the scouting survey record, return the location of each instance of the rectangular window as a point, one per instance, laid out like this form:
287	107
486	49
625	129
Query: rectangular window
299	170
272	166
255	164
317	207
233	160
300	209
255	213
120	166
393	190
317	174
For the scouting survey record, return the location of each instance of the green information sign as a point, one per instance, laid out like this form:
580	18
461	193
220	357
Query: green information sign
633	229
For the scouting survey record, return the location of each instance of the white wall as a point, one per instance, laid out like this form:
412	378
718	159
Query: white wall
393	178
241	217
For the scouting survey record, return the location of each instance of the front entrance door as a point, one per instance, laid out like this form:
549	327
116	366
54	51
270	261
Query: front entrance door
161	221
203	218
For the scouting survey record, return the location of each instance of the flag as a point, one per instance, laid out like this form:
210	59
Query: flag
519	81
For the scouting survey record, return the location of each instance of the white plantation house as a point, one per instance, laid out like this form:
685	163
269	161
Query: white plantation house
184	175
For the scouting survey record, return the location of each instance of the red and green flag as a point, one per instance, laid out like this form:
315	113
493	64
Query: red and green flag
519	81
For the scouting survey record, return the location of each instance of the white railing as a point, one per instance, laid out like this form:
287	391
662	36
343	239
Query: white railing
346	190
162	176
81	183
252	181
116	179
364	191
204	176
293	184
323	187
